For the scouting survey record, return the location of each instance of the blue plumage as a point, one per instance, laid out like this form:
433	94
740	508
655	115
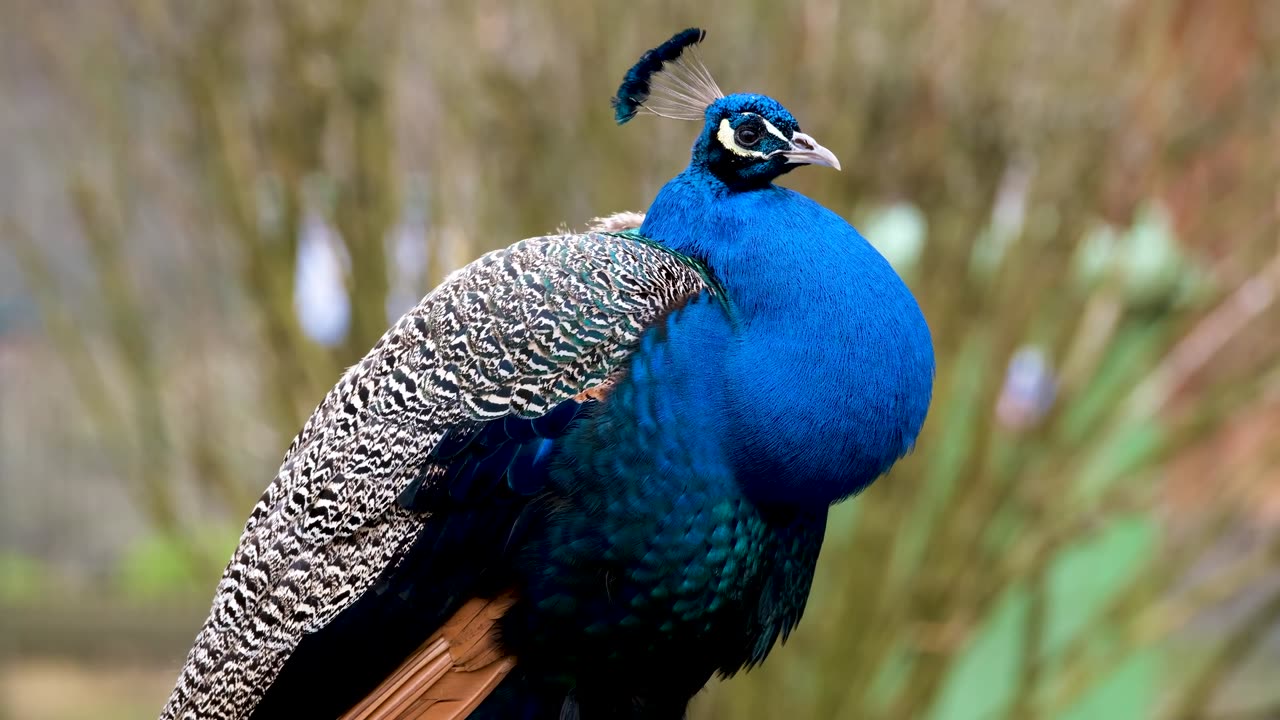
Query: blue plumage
690	506
636	434
833	353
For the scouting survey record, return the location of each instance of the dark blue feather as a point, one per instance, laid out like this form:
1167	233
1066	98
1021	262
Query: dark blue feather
527	471
518	428
635	85
553	424
477	458
454	441
460	485
494	434
492	469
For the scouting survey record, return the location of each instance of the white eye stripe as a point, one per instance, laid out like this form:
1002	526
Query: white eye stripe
775	131
769	127
725	135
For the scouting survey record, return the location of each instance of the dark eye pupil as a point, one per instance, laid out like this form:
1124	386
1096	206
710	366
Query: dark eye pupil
747	137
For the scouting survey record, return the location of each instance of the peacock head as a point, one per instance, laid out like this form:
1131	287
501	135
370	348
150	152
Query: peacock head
746	140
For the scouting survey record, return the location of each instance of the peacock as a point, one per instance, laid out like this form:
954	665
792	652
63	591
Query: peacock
587	472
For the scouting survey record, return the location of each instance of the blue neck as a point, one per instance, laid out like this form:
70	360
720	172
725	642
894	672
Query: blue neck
834	371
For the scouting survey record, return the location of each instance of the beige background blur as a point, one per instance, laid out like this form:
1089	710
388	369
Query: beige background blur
207	210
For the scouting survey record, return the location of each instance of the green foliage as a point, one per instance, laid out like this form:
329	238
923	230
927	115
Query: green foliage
161	567
22	579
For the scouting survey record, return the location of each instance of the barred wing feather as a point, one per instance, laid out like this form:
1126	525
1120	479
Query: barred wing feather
513	334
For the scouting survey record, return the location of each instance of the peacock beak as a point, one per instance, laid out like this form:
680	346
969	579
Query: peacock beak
806	151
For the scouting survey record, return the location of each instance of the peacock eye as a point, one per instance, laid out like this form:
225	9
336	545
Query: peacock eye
746	136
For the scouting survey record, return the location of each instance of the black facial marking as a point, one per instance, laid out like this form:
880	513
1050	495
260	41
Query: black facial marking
752	155
749	130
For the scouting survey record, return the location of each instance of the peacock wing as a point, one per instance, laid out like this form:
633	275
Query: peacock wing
512	337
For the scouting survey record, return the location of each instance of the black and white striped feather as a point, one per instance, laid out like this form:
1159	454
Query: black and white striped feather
514	333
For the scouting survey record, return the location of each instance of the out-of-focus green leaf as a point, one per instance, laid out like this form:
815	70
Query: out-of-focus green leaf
1122	455
159	567
948	459
899	232
22	578
1083	577
1128	692
1127	360
1152	262
982	680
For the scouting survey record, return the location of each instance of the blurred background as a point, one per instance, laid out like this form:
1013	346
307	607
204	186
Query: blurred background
208	210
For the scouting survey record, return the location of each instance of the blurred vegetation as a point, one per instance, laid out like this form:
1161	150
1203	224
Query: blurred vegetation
1084	197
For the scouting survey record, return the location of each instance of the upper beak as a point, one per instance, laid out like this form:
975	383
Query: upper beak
806	151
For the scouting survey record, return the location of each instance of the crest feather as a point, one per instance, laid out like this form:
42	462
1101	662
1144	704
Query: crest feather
669	80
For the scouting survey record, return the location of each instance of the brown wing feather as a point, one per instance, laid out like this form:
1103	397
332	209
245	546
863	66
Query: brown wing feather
450	674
